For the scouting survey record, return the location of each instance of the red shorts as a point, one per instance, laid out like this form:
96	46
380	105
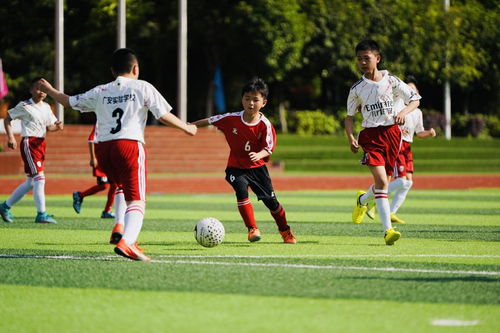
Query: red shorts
97	172
404	162
381	146
124	162
33	154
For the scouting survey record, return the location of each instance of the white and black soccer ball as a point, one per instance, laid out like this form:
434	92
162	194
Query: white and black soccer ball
209	232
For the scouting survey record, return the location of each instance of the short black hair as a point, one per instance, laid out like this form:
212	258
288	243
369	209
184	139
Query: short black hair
368	45
411	79
123	60
256	85
35	81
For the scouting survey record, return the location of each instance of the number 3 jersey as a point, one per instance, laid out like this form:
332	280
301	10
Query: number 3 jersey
244	138
121	108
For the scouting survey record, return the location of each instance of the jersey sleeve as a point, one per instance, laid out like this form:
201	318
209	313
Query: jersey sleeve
86	102
52	118
155	102
403	91
419	122
269	137
353	103
18	111
220	121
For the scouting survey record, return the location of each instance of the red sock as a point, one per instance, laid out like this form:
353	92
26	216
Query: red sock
111	198
280	218
94	189
246	211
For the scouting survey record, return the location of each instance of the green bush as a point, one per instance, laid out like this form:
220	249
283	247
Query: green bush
493	126
315	123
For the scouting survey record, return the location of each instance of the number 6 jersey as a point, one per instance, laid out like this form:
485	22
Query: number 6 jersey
121	108
244	138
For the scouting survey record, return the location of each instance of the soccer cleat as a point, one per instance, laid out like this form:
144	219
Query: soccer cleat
45	218
359	210
391	236
77	202
371	211
116	234
5	213
130	251
288	237
396	219
107	215
254	235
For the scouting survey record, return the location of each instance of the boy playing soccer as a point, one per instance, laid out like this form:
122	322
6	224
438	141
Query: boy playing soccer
414	124
36	119
251	139
102	182
374	95
121	108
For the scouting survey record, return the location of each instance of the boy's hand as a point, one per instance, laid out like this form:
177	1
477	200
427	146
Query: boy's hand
433	132
191	129
254	157
44	85
400	118
59	125
93	162
12	143
354	145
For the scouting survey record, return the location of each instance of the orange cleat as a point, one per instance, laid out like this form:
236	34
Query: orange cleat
288	236
254	235
116	234
130	251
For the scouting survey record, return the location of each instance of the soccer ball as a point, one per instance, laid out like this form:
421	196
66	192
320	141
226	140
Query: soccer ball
209	232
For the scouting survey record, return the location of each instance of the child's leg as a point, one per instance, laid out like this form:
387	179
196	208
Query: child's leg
39	192
400	194
111	197
277	212
368	196
93	190
20	192
381	198
134	216
246	211
120	206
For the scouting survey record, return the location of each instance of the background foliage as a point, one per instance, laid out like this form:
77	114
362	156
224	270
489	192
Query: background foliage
303	48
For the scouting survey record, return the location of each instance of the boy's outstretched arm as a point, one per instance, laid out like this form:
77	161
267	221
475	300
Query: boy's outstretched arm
348	126
201	123
170	119
58	96
426	134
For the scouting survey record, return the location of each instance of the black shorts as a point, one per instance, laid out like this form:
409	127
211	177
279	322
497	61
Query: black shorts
102	180
257	178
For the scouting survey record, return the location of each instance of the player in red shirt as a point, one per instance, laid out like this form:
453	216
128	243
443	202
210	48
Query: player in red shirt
103	182
251	138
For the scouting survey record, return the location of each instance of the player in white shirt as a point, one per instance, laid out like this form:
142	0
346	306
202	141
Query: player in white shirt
374	97
121	108
414	125
36	118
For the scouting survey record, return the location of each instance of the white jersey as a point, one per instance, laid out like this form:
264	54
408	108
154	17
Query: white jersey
34	117
375	100
414	121
121	108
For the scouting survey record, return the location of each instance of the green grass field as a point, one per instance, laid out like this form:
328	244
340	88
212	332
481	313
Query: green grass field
432	155
341	277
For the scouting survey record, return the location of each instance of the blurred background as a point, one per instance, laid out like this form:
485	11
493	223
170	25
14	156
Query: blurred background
304	49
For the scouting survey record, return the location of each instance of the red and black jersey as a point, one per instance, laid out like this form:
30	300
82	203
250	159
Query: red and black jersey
244	138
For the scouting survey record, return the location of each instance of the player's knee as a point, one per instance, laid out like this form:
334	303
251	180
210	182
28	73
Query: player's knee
271	203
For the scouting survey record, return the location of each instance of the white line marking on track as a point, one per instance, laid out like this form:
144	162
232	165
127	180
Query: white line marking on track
255	264
454	322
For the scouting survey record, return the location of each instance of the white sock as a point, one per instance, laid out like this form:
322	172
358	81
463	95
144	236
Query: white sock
133	222
383	208
368	196
400	196
395	185
20	192
120	206
39	192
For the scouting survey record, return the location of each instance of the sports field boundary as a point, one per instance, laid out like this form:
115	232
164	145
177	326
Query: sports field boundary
282	182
